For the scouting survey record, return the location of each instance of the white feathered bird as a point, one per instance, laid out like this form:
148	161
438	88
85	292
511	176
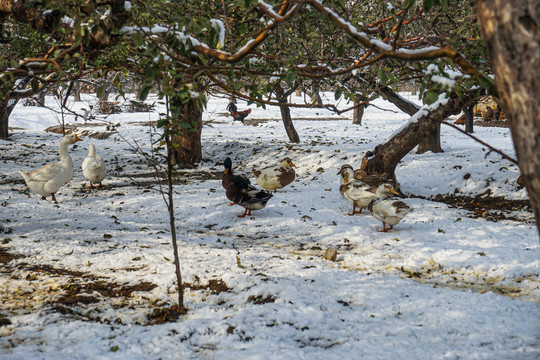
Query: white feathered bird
356	192
276	177
93	167
386	210
46	180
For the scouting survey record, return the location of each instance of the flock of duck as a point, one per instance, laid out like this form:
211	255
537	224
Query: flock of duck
48	179
362	191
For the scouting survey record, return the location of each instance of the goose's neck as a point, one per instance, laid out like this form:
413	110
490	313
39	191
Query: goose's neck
64	155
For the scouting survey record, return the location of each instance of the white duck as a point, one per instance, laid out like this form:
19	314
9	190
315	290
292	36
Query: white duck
356	192
93	167
388	211
48	179
276	177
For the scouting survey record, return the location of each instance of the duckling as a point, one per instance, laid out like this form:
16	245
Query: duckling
356	192
243	194
388	211
93	167
276	177
46	180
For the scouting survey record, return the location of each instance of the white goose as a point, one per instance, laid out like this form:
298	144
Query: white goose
388	211
46	180
93	167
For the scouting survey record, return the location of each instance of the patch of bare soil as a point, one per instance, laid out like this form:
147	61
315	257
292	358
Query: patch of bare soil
467	279
29	288
6	256
215	286
493	123
488	207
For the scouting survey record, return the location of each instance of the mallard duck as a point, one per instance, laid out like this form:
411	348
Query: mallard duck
228	176
356	192
93	167
276	177
245	195
388	211
48	179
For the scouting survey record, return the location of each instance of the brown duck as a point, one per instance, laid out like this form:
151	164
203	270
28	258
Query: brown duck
276	177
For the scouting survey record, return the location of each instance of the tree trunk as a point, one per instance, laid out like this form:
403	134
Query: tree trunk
288	123
384	159
469	118
4	118
315	96
77	91
282	96
41	98
358	114
431	142
186	133
511	31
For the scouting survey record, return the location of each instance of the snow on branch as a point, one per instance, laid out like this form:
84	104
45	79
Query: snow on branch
428	53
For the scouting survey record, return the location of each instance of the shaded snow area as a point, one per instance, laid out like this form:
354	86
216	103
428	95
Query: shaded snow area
93	277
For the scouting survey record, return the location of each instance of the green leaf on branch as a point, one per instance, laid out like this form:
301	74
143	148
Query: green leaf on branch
162	123
143	93
431	97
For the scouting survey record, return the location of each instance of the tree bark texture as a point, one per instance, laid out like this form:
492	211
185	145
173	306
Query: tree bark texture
288	123
469	118
186	134
384	159
282	96
4	118
358	114
432	142
511	31
402	104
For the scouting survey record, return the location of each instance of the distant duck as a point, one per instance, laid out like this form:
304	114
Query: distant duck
46	180
276	177
243	194
356	192
388	211
93	167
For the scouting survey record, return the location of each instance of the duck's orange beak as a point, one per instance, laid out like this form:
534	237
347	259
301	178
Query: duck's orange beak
77	138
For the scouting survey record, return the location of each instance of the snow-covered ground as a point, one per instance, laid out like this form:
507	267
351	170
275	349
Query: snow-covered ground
444	284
